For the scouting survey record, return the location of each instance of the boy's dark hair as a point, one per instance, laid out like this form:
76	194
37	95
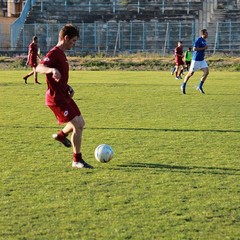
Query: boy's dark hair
69	30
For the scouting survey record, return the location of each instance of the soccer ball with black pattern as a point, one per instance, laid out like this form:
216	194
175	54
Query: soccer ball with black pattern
103	153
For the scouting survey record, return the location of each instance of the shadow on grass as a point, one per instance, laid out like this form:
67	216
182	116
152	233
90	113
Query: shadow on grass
129	129
176	168
167	130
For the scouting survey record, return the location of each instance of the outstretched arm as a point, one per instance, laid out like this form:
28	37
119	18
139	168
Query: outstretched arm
47	70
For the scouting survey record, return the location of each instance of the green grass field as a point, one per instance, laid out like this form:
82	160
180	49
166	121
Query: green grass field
175	173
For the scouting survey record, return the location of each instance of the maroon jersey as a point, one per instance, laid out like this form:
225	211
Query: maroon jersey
33	52
57	92
178	59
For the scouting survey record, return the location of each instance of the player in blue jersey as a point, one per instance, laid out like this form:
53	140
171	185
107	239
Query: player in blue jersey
198	61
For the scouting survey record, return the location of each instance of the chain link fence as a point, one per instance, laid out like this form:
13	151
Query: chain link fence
115	36
135	36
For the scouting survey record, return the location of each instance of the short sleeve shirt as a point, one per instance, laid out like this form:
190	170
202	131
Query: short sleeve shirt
33	50
57	92
199	55
178	59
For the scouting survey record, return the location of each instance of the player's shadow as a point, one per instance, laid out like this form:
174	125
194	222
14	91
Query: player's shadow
176	168
166	129
129	129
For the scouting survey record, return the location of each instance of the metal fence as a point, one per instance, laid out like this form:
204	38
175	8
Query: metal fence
135	36
114	37
124	36
227	37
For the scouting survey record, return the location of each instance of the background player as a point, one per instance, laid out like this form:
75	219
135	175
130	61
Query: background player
188	58
32	59
179	60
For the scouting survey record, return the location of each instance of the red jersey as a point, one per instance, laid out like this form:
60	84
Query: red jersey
178	59
33	52
57	92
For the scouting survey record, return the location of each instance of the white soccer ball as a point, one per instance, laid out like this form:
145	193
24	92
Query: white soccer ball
103	153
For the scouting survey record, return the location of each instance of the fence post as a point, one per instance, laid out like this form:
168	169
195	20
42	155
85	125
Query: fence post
143	36
114	6
131	29
119	35
89	6
163	6
230	35
65	5
216	38
155	35
165	42
107	37
83	35
117	39
95	36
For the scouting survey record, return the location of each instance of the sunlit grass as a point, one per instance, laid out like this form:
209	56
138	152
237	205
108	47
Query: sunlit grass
175	173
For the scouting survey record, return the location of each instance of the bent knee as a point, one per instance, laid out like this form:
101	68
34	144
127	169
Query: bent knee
206	71
190	74
78	123
81	123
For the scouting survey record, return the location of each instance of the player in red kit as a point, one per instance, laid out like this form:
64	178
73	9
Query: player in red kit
32	59
59	94
178	52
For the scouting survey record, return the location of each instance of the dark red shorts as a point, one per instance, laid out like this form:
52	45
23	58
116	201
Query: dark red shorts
179	63
65	112
33	64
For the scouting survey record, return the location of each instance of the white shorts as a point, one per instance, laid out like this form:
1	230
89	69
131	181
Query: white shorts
196	65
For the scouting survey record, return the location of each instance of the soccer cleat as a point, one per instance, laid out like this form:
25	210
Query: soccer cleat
177	78
183	88
200	89
37	82
25	79
64	141
81	164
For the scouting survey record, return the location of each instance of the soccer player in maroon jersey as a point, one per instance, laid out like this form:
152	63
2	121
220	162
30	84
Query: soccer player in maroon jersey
59	94
179	60
32	59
